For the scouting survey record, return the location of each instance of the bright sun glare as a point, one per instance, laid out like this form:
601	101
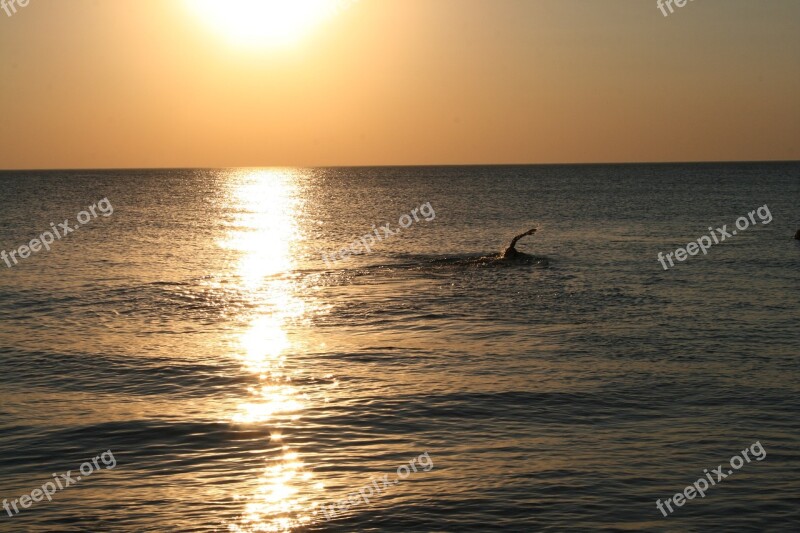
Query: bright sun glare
266	22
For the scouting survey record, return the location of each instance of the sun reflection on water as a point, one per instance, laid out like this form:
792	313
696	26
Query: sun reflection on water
279	504
262	234
265	226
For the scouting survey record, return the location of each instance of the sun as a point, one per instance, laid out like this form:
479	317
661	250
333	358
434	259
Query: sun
266	22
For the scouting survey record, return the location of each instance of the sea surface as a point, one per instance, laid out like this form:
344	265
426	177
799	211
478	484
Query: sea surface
209	336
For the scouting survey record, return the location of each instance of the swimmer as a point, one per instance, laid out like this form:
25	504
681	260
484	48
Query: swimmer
511	252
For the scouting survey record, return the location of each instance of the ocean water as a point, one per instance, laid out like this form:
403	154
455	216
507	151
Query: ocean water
241	382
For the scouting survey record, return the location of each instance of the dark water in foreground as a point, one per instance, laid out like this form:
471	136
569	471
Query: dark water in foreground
240	382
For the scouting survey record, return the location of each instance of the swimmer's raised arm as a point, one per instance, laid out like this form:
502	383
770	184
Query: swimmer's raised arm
511	251
521	235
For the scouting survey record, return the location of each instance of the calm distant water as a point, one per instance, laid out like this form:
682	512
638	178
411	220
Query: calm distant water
242	382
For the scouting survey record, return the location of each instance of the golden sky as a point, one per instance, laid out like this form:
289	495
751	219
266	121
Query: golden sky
219	83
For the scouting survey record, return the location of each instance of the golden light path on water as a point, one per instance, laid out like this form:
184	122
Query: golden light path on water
267	203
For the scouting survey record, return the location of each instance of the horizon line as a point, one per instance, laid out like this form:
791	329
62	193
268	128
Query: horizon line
424	165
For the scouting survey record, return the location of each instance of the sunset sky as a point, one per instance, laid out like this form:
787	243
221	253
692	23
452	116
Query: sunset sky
182	83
